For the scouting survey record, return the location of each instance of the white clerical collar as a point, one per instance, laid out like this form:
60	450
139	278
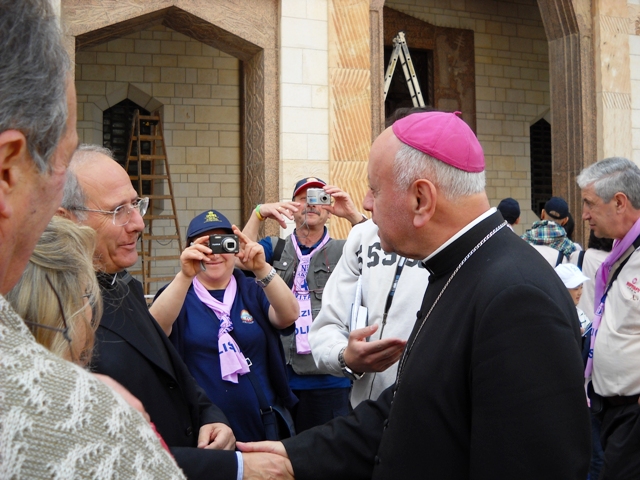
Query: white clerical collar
464	230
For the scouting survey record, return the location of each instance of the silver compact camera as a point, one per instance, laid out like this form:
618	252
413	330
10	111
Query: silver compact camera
317	196
224	243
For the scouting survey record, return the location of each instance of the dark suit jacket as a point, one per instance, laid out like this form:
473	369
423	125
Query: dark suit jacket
176	404
492	387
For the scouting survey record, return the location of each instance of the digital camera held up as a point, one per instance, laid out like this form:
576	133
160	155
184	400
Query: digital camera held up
317	196
226	243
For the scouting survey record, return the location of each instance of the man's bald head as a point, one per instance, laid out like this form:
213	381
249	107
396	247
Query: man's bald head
74	195
96	186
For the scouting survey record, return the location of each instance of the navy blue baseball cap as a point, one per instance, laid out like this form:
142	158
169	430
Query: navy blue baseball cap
209	220
308	182
510	209
557	208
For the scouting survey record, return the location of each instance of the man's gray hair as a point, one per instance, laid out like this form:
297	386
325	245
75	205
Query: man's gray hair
84	151
411	164
613	175
74	196
34	70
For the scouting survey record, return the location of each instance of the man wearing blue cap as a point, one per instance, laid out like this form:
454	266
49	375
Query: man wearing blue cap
304	260
510	210
548	235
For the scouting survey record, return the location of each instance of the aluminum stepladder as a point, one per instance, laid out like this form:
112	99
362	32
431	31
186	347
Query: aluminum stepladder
153	167
401	51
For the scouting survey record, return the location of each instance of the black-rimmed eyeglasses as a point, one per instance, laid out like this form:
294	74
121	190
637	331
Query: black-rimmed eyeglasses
122	214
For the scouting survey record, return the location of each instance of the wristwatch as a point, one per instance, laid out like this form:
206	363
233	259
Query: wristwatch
263	282
346	371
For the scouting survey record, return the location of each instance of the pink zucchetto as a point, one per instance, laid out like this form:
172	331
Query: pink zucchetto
444	136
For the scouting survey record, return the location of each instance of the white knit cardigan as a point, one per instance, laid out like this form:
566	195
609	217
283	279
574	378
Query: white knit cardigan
57	421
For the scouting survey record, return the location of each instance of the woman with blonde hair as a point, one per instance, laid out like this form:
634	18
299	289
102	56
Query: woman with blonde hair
58	295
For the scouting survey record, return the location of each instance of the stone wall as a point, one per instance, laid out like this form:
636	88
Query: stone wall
304	102
197	89
512	83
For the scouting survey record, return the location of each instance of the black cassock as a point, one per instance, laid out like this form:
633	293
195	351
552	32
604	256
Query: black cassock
492	387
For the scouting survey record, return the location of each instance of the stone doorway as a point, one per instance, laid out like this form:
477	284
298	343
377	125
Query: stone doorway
245	30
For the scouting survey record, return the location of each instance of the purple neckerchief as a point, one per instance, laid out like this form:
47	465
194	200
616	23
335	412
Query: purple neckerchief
602	276
232	361
301	292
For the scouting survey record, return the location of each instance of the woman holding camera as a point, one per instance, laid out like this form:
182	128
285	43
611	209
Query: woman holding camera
226	326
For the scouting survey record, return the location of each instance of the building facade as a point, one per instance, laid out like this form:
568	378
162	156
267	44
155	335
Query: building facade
255	94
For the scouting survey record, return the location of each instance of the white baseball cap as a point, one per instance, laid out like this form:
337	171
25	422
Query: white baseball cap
571	275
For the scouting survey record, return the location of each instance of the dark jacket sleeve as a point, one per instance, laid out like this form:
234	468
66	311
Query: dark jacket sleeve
344	448
201	464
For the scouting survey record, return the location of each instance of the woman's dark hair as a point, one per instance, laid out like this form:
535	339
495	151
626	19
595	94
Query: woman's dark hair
570	226
605	244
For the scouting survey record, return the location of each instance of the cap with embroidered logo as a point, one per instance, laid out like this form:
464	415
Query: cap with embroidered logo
208	220
444	136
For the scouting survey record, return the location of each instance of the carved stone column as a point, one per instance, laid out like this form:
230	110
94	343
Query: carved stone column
376	20
349	100
573	105
613	78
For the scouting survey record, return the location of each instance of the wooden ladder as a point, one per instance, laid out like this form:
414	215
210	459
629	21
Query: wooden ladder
148	172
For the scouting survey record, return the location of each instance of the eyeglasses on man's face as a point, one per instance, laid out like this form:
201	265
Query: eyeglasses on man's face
122	214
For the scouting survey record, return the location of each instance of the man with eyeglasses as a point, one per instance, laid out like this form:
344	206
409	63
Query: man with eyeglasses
130	346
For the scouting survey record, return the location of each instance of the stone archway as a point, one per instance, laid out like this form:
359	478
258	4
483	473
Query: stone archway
99	105
247	30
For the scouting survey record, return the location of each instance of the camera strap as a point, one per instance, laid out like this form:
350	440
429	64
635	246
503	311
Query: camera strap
278	248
